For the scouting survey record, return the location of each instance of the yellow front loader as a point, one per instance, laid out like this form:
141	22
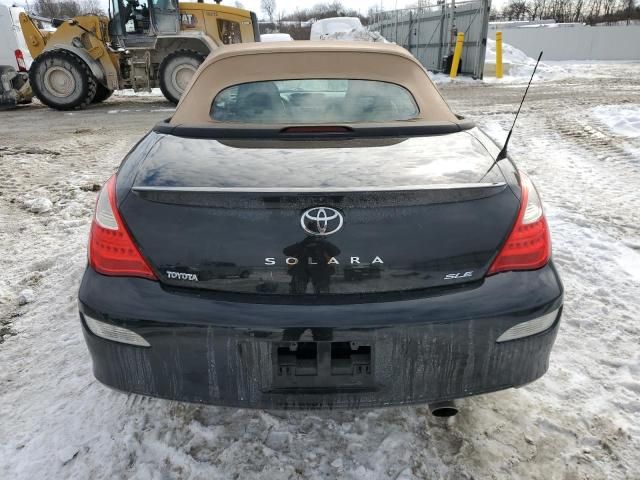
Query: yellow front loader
142	44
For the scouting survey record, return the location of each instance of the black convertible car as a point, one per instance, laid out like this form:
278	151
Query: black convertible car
314	228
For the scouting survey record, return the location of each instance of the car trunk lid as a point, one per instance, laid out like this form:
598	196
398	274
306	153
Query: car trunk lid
242	215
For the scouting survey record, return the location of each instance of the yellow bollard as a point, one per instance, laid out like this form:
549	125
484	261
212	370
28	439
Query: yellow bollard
498	54
456	56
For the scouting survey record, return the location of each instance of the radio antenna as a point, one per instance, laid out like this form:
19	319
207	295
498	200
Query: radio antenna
503	153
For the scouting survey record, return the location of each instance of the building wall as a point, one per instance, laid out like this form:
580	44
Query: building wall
574	42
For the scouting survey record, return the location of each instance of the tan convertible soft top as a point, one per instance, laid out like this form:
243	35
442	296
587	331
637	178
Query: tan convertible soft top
252	62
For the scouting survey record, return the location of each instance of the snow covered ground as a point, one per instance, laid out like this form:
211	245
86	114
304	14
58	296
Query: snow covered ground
580	421
623	120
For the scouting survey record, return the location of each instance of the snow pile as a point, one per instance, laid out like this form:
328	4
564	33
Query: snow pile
26	296
442	78
510	54
629	261
517	64
623	120
38	205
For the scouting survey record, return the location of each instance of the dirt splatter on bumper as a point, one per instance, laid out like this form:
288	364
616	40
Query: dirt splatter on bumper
253	355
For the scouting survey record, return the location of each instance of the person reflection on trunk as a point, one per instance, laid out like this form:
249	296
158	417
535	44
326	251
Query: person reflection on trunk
313	255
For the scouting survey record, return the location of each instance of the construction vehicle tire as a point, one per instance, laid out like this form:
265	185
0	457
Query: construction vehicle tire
61	80
102	93
176	71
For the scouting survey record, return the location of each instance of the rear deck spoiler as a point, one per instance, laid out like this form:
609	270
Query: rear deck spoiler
281	132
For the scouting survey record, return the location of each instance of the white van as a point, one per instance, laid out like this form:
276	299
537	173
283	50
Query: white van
13	48
325	28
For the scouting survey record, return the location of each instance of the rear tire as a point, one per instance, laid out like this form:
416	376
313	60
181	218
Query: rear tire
102	93
176	71
61	80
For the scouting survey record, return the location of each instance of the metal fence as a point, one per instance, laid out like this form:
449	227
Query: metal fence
429	33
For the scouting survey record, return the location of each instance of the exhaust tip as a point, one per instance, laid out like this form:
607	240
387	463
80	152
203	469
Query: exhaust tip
443	409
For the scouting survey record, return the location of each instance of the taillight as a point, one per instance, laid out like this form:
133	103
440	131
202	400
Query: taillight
22	66
528	246
111	248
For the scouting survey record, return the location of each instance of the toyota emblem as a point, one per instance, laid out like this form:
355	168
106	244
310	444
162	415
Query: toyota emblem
321	221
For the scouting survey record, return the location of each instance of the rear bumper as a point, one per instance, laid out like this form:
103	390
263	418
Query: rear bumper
205	350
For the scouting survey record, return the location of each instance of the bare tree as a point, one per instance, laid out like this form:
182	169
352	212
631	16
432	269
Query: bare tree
91	7
589	11
628	6
537	9
609	7
577	10
57	8
269	8
46	8
299	15
337	7
594	7
67	8
515	10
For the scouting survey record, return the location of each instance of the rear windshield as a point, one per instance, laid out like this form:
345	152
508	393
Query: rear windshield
313	101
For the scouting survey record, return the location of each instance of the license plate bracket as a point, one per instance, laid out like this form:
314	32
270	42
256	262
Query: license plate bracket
323	365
